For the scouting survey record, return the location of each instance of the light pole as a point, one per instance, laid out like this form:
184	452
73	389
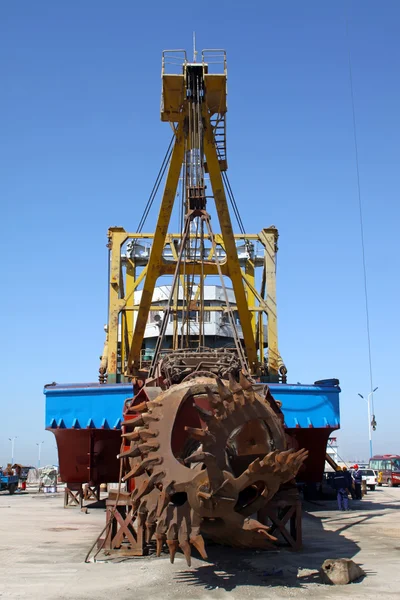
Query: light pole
371	419
12	440
39	444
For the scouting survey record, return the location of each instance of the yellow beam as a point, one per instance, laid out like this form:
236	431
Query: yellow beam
269	239
194	268
157	247
175	236
116	236
251	297
229	243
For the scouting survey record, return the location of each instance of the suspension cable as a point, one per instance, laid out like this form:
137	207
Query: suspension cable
233	201
361	218
231	196
156	185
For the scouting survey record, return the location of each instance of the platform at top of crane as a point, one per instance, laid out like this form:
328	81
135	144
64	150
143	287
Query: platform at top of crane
174	83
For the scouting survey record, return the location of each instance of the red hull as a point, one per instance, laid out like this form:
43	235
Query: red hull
88	455
315	441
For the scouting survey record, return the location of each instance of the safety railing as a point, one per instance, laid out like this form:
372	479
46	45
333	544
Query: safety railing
172	62
215	58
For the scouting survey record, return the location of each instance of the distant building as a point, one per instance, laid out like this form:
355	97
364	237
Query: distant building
332	449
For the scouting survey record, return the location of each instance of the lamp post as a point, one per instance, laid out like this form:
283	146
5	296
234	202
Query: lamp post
371	418
39	444
12	440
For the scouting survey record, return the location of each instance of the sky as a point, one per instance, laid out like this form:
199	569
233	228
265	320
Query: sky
81	143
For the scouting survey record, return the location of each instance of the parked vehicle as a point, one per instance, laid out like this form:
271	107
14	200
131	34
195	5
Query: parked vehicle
369	476
388	466
8	482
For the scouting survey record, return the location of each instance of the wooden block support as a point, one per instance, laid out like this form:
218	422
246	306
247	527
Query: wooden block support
121	536
73	495
284	516
91	492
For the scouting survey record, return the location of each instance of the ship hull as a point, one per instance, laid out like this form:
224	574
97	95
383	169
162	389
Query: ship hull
86	422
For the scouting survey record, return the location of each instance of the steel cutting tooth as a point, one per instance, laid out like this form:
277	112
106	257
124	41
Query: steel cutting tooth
131	453
269	459
138	408
136	422
146	487
223	391
196	539
244	382
143	419
148	447
172	540
140	467
173	546
154	404
132	437
206	415
185	547
160	535
215	402
200	434
200	457
157	477
160	539
282	456
198	542
233	385
164	499
150	529
250	396
151	524
254	466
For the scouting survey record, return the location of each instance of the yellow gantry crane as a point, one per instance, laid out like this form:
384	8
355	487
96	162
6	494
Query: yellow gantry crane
194	102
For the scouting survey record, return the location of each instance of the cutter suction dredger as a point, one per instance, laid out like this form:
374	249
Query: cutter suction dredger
213	436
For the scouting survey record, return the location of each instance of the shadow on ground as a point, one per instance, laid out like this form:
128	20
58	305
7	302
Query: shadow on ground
229	568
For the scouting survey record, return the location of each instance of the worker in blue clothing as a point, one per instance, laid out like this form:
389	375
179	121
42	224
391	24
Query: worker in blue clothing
340	482
349	482
357	482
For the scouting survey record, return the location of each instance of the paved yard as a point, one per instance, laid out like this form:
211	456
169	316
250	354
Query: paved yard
43	546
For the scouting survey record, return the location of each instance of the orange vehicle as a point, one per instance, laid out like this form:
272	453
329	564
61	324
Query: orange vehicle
388	466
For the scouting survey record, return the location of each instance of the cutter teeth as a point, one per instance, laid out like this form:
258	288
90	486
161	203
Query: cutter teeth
140	467
138	408
233	385
206	415
132	437
244	382
223	391
160	539
199	457
159	514
173	546
201	435
131	453
185	547
216	402
198	542
140	421
150	529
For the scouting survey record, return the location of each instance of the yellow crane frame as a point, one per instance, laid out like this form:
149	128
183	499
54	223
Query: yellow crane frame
127	321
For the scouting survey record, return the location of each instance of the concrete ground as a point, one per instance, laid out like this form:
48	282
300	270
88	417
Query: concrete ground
43	547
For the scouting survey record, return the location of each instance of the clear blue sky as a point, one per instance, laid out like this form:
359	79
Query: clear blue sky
81	143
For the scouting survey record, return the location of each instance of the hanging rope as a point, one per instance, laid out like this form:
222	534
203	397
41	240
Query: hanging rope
156	185
360	208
